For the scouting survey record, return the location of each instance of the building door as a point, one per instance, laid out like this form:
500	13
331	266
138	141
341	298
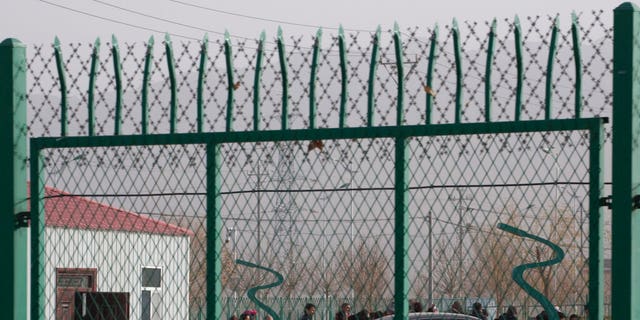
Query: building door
102	306
68	282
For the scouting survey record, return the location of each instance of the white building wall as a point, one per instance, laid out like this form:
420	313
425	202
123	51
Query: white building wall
119	258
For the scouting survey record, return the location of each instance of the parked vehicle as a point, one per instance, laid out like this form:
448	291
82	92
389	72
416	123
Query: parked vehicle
434	316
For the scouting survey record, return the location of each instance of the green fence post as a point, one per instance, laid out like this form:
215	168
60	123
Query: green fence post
625	298
401	229
38	257
13	193
596	224
214	225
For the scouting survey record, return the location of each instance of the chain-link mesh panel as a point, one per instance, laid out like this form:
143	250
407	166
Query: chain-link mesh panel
320	217
596	39
117	221
463	186
321	213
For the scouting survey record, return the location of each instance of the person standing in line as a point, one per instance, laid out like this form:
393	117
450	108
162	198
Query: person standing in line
309	311
344	313
456	307
511	314
479	312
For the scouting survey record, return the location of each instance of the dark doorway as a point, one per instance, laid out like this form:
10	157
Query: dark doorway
102	305
68	282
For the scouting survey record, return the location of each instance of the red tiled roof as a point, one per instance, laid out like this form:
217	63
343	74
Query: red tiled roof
68	211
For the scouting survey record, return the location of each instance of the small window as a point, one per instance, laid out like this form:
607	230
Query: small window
151	277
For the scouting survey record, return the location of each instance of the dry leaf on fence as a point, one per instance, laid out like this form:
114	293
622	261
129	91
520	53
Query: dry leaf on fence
429	91
315	144
236	85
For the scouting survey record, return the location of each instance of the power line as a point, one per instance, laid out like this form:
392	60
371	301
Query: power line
116	21
264	19
162	19
171	22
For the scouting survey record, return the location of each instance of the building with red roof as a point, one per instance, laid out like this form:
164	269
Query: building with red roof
97	255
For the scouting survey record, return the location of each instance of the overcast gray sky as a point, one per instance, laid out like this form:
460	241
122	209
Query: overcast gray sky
38	21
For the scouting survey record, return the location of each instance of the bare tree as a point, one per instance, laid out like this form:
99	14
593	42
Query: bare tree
497	253
368	273
496	256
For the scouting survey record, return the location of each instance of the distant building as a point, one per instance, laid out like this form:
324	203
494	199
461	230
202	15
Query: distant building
98	256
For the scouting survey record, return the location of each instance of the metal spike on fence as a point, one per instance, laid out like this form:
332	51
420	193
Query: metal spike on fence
146	77
397	41
231	85
433	56
517	33
458	61
344	93
93	73
63	86
202	79
548	92
577	58
487	77
285	81
171	68
256	82
313	79
117	72
373	66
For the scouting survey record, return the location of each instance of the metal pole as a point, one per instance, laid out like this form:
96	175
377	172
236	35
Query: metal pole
430	258
14	242
625	292
353	293
401	196
258	213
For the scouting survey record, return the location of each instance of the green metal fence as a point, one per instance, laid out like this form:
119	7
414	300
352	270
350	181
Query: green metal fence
407	166
417	223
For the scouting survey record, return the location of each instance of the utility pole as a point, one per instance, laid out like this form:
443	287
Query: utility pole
461	207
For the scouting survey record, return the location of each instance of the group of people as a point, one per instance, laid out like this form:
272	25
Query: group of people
544	316
249	315
414	306
345	313
511	314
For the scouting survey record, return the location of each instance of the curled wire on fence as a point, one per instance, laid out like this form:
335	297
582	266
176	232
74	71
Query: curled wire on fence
252	291
518	272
